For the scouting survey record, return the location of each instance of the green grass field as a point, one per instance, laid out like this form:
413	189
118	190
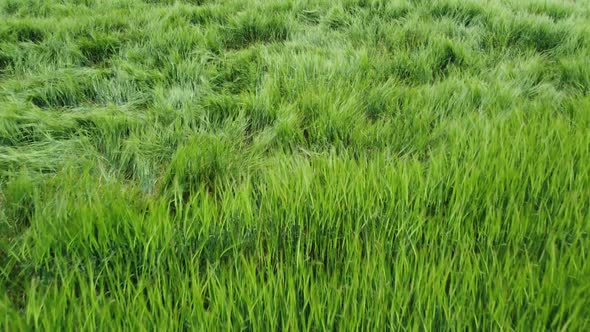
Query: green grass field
294	165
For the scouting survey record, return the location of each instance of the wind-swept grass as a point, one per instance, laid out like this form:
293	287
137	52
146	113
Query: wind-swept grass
294	165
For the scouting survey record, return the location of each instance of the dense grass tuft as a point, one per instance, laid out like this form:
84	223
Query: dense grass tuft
22	31
249	28
5	60
467	13
98	48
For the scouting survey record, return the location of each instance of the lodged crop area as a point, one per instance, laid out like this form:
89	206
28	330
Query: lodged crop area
286	165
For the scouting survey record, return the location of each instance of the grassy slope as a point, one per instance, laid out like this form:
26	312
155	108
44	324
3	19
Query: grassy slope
295	164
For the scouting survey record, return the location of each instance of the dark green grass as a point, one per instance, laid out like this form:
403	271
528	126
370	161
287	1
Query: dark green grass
294	165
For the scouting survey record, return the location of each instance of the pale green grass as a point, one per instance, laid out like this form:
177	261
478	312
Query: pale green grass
294	165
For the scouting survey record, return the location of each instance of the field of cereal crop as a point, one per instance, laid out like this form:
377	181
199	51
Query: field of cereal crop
287	165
